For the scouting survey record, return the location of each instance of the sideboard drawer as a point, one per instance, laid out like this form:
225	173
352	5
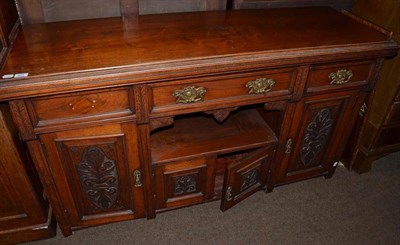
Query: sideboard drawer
81	106
227	89
338	76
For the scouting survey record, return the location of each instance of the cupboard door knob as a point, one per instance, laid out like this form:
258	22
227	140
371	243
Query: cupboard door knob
138	178
342	76
228	194
260	85
288	146
189	94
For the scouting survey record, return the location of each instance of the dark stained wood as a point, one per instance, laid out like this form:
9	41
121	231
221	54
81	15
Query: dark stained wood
8	26
183	183
248	31
249	44
223	89
245	177
158	152
144	153
24	214
203	136
48	112
315	133
319	80
393	116
379	128
76	156
8	20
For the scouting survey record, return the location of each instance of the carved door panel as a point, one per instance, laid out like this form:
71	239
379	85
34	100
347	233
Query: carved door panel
245	177
319	124
97	173
184	182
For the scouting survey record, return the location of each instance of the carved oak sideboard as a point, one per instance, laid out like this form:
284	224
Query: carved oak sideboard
128	118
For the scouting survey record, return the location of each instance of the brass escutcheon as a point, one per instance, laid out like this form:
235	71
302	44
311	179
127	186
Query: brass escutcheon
288	146
138	178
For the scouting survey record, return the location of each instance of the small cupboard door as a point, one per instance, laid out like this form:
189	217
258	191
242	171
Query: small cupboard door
320	126
245	177
97	173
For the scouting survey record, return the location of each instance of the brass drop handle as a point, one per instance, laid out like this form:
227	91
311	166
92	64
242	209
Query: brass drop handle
138	178
228	194
340	77
190	94
288	146
260	85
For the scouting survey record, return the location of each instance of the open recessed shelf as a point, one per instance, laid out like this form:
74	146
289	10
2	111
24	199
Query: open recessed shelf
200	135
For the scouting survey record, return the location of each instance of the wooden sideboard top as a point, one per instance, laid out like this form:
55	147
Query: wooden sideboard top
157	47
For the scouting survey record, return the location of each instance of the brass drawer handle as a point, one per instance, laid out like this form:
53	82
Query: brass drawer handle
138	178
260	85
341	77
189	94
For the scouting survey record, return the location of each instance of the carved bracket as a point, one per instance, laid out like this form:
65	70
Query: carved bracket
221	114
161	122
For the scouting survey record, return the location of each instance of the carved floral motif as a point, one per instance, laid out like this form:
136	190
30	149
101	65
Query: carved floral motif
185	184
161	122
249	179
98	176
316	135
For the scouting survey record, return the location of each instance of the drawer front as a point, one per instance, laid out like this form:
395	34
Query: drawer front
223	89
394	114
183	183
338	76
82	106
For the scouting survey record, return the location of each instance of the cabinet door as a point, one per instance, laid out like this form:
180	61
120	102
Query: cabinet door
319	131
245	177
97	173
184	182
